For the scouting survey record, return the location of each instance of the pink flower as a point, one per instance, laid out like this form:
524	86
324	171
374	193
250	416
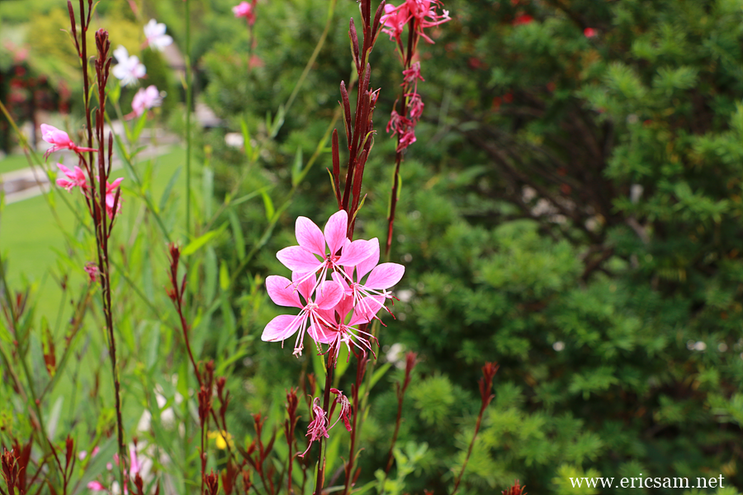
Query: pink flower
91	269
96	486
146	99
335	332
59	140
590	32
394	20
404	127
416	106
75	178
412	75
284	292
318	427
345	414
134	466
407	137
246	10
369	296
423	11
312	244
111	191
129	69
155	33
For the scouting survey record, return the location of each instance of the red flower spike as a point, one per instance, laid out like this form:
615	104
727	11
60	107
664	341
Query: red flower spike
516	489
486	382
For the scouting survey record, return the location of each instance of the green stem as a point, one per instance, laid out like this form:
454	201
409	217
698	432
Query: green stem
189	97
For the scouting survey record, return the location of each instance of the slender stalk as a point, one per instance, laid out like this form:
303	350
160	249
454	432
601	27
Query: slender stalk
407	62
189	96
320	480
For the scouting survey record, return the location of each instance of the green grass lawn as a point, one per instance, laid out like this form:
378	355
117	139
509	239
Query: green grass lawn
31	237
13	162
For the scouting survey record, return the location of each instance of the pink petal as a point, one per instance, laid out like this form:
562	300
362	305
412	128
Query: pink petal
68	185
310	236
298	259
344	306
321	335
305	284
366	265
366	309
329	294
364	316
385	276
96	486
335	231
281	328
64	169
281	291
356	252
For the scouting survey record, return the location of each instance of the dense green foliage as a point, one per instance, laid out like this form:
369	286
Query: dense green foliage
571	209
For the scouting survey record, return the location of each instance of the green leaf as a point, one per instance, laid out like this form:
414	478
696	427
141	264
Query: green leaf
246	139
237	233
268	205
168	189
224	276
208	189
201	241
138	128
297	167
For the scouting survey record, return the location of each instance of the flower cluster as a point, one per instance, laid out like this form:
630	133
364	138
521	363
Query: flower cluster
419	15
422	11
246	10
60	140
337	284
400	124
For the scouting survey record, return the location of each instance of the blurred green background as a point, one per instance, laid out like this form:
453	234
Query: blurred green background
571	209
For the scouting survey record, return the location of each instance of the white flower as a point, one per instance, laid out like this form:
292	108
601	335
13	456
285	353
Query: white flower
156	37
129	69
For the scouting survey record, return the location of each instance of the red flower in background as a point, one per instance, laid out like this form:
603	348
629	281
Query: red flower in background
522	19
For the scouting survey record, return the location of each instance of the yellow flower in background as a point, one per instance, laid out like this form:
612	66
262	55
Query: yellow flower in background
222	438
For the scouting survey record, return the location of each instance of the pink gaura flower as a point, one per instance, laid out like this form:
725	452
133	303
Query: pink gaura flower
284	292
91	269
155	33
96	486
412	75
335	328
423	11
415	105
368	297
75	178
246	10
146	99
111	191
318	427
394	20
345	414
407	137
312	255
129	69
59	140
